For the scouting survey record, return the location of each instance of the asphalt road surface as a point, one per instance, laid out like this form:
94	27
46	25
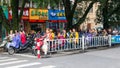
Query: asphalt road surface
109	58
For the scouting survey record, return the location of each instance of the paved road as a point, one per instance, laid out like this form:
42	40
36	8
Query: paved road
109	58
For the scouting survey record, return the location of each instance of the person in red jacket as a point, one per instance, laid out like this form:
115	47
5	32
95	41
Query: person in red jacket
23	37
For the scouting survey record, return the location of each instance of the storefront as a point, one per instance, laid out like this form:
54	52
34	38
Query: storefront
38	19
57	19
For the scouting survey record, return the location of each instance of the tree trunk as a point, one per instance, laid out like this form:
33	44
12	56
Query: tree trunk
105	16
82	19
14	6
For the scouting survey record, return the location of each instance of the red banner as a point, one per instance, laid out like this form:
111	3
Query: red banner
25	14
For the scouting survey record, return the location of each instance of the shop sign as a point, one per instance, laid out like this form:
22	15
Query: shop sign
115	39
57	15
38	14
25	13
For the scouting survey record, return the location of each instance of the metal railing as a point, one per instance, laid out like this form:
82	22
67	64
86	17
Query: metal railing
82	43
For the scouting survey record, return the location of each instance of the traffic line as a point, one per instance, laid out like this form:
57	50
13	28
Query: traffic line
13	62
50	66
3	58
24	65
23	55
9	59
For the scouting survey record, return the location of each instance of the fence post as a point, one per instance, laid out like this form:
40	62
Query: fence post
83	45
109	40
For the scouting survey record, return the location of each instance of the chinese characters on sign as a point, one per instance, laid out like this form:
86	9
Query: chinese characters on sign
25	13
38	14
115	39
57	15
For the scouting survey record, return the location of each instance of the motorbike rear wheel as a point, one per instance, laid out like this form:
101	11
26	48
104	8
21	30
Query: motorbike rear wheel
11	50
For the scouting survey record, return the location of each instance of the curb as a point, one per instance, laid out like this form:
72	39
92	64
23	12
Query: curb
59	54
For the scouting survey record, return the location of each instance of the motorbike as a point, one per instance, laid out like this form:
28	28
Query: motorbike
4	42
42	44
21	47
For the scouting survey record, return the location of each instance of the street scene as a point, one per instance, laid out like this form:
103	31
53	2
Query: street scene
59	33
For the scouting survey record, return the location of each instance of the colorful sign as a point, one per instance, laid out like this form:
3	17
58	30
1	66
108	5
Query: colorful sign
25	13
115	39
57	15
38	14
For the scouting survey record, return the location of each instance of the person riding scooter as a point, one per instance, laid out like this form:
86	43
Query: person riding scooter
22	37
19	43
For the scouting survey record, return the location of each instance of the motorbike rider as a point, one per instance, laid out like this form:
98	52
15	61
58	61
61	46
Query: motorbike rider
22	37
11	35
11	39
18	39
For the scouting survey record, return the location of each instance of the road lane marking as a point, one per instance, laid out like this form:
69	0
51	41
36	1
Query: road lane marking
50	66
9	59
23	55
1	58
13	62
24	65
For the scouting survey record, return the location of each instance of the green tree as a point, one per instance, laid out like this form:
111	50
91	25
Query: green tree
70	12
108	13
16	18
3	19
45	3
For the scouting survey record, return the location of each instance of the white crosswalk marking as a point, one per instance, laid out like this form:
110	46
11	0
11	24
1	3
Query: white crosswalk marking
13	62
50	66
24	65
3	58
9	59
23	55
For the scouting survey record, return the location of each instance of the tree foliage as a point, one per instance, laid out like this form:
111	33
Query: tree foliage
16	18
108	13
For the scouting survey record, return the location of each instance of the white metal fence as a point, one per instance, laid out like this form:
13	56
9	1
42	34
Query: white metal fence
82	43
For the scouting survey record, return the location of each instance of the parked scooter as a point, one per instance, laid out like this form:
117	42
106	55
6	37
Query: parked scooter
4	42
21	47
43	45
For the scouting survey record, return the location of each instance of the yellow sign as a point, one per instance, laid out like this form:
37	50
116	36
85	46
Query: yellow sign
38	14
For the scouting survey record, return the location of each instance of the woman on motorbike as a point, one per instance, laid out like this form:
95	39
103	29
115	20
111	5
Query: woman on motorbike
23	37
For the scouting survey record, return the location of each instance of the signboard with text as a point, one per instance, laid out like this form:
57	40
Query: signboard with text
115	39
25	13
38	14
57	15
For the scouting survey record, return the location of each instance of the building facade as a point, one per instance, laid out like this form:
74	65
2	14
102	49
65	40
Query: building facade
40	19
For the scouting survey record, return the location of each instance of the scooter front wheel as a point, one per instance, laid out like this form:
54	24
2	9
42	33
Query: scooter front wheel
11	50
